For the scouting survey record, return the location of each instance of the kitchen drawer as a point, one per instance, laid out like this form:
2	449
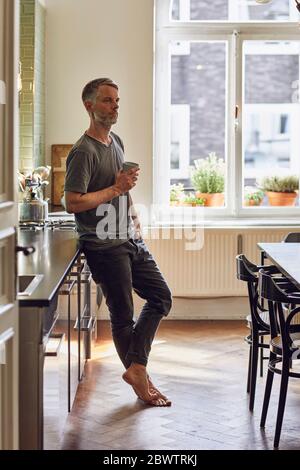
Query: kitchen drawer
55	391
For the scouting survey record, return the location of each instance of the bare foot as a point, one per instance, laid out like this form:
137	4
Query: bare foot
153	389
136	376
160	402
161	399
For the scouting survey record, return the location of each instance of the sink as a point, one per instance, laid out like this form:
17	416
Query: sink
27	283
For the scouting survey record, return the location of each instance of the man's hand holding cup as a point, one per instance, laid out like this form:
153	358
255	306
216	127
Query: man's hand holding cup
127	177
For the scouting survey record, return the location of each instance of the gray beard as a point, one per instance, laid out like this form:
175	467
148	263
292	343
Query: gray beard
106	122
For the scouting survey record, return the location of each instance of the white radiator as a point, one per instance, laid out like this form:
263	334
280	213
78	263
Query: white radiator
198	278
210	271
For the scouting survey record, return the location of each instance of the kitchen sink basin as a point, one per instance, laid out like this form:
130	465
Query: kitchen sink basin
27	283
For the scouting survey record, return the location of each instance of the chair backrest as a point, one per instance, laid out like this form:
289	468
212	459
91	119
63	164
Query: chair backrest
248	272
292	237
269	290
279	321
245	270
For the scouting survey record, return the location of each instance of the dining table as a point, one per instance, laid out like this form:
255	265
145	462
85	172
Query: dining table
286	256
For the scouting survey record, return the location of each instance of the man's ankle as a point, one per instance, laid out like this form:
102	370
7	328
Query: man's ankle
137	365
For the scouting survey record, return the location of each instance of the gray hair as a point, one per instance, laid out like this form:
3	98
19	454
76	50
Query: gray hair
90	90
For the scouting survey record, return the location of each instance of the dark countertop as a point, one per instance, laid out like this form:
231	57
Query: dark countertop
56	251
286	256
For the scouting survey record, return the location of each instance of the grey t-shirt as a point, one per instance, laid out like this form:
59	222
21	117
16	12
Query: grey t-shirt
92	166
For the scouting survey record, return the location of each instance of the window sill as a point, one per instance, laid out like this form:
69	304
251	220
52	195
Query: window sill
232	223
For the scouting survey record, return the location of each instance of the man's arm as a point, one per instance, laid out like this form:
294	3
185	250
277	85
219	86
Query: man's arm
79	202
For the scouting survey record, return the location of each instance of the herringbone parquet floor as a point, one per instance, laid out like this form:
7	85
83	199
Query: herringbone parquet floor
202	367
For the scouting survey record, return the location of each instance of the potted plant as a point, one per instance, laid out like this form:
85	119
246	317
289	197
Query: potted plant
208	179
176	194
253	196
281	190
192	200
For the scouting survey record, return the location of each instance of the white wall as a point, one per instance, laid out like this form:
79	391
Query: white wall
86	39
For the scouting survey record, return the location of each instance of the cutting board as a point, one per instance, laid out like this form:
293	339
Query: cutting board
59	154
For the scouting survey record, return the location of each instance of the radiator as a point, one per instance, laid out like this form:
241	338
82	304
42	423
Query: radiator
211	270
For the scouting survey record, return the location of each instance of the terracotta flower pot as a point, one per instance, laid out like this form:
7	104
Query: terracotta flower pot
251	202
281	199
211	199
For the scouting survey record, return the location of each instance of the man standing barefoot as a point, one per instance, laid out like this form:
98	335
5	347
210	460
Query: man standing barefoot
97	192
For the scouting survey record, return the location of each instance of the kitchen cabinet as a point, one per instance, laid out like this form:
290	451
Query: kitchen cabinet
49	378
55	386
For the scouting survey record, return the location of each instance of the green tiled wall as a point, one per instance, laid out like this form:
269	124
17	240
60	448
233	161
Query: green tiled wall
32	95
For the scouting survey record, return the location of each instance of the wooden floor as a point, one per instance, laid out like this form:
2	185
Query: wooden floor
202	366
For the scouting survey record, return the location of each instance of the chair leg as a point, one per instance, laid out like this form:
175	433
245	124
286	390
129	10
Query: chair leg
267	395
249	369
282	400
254	361
261	369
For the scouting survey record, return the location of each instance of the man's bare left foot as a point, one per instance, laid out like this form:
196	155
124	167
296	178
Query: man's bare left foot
136	376
153	389
162	400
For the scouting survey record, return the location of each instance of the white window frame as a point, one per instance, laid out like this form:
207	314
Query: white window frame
234	34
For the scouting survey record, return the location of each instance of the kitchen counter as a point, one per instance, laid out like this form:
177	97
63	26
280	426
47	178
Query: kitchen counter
55	253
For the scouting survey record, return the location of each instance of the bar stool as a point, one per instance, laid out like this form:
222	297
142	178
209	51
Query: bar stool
257	321
285	340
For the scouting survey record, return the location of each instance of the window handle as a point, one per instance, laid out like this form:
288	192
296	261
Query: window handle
236	117
236	111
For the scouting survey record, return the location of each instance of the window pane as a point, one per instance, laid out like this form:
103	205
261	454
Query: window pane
271	115
198	105
233	10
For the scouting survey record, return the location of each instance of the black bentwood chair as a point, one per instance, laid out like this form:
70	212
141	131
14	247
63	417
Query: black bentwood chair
257	320
292	237
283	302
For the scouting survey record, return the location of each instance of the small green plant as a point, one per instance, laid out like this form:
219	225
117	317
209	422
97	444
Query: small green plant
193	200
208	174
280	184
253	196
176	192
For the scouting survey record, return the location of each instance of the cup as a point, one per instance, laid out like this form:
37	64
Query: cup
129	166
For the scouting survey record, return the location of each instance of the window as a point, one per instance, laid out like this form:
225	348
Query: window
233	10
271	112
180	141
227	78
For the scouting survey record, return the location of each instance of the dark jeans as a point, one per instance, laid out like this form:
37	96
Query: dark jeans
118	270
